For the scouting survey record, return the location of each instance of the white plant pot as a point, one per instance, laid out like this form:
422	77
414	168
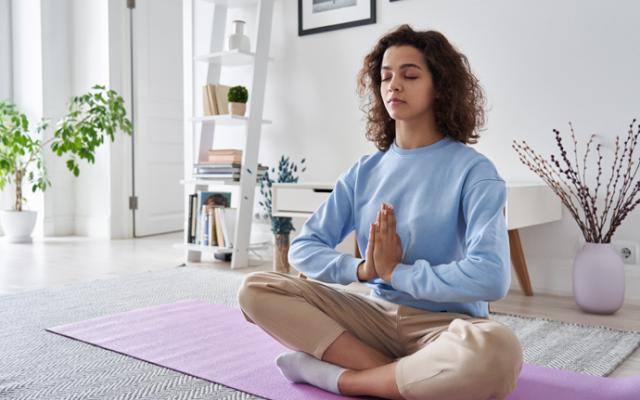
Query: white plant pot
18	225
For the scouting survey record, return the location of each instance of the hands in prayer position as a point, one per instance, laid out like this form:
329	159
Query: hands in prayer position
384	250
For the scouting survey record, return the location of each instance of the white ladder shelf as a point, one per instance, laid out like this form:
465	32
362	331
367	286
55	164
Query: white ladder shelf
194	150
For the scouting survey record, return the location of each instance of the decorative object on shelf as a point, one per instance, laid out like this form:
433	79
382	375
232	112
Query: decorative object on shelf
91	117
237	97
238	40
316	16
280	226
598	271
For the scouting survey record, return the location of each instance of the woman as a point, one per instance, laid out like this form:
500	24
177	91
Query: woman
428	209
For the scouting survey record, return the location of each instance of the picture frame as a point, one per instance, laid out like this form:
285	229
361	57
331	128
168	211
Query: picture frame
315	16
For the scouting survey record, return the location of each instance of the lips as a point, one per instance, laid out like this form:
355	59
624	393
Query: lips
395	102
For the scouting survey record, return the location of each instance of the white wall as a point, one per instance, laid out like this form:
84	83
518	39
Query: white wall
90	60
541	64
57	70
5	79
5	49
28	78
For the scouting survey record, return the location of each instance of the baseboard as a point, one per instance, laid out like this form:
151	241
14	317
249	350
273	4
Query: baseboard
554	276
59	225
98	227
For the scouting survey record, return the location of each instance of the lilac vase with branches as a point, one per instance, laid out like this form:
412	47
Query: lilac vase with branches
598	271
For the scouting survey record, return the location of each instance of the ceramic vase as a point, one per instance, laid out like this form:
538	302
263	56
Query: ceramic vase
281	253
238	40
598	279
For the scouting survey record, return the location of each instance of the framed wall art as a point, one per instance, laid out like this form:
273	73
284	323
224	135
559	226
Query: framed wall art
315	16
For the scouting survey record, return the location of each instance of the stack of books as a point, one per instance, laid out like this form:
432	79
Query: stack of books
211	219
214	99
224	164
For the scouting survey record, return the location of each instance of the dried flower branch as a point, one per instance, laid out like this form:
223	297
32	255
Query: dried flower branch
566	182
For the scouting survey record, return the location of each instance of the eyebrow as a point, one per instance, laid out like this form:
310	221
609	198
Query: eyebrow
403	66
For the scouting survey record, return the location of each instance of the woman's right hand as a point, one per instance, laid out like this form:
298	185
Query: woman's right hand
366	269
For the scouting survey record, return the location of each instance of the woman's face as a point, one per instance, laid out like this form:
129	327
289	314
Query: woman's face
406	87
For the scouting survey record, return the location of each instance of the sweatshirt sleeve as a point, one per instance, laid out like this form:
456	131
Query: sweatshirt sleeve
485	271
313	252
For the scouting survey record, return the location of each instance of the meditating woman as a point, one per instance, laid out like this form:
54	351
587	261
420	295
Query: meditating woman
428	209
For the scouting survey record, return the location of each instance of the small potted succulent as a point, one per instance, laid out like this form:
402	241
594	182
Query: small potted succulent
238	96
91	118
280	226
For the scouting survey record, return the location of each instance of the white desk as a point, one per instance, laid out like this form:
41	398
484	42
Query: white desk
528	203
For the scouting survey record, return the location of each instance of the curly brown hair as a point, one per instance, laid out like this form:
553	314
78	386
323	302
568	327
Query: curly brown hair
459	99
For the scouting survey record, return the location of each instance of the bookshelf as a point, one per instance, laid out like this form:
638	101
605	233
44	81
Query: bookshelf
199	130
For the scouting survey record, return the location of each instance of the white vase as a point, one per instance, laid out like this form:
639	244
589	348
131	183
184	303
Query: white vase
598	279
18	225
238	40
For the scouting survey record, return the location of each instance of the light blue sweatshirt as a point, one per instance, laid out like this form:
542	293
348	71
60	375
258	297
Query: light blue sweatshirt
449	203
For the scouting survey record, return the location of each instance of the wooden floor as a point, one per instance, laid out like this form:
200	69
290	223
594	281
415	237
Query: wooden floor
64	260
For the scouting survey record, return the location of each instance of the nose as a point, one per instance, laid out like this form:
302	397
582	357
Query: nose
394	85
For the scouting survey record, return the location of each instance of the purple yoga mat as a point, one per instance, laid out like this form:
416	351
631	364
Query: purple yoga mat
214	342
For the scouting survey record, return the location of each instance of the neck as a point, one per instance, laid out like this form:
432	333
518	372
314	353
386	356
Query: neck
417	132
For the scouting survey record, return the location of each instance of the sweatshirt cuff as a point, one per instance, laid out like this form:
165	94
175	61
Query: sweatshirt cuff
348	271
400	275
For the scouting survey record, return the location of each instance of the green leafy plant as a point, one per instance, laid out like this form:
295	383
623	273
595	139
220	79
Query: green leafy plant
238	94
90	119
286	174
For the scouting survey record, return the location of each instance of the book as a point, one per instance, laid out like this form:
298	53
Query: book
228	222
222	103
211	228
210	106
219	236
204	233
204	199
191	237
224	151
221	159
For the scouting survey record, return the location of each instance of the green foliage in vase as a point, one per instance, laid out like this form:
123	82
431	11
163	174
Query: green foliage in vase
286	174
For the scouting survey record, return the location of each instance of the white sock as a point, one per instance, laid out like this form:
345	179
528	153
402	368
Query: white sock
298	366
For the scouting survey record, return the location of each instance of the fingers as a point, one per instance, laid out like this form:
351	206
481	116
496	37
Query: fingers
383	220
392	219
372	239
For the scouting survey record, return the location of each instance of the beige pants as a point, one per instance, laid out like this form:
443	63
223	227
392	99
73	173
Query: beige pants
440	355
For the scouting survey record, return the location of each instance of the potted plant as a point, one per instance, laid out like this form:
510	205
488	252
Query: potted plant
598	271
90	118
237	96
280	226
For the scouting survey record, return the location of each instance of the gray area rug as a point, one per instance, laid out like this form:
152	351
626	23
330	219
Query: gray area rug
35	364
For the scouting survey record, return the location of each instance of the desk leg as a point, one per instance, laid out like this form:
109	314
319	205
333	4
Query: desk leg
519	263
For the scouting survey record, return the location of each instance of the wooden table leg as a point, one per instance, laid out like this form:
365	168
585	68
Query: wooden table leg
519	263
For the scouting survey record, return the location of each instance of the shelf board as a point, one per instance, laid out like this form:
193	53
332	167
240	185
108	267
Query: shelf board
233	3
211	181
197	247
225	119
232	58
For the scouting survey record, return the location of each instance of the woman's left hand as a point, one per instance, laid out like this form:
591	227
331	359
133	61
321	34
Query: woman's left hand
387	251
